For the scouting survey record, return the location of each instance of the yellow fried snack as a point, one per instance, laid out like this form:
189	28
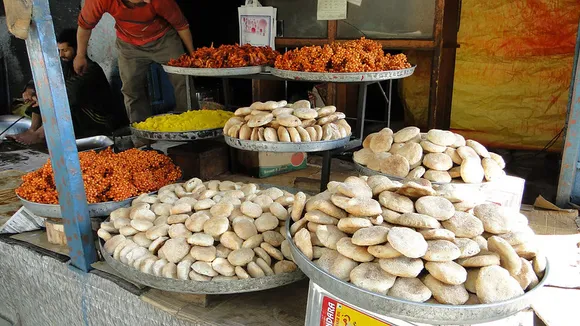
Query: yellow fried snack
187	121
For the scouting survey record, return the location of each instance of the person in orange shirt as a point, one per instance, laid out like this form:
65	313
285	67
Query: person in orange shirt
148	31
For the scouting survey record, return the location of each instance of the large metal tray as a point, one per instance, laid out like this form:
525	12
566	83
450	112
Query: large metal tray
196	287
214	72
178	136
53	211
284	147
345	77
432	314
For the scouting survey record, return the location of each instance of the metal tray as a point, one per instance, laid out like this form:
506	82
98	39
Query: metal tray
18	127
196	287
53	211
344	77
432	314
93	143
284	147
214	72
178	136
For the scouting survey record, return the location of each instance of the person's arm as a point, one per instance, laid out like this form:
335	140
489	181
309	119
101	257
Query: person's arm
169	10
80	61
89	17
185	35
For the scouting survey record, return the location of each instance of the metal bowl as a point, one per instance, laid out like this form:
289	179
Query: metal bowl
18	127
216	287
432	314
284	147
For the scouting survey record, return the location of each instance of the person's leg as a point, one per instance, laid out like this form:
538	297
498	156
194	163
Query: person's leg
133	68
170	47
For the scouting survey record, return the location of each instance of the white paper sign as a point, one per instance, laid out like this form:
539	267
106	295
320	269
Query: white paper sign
355	2
257	25
331	10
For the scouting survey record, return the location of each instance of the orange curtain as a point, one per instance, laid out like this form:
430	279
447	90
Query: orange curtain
512	73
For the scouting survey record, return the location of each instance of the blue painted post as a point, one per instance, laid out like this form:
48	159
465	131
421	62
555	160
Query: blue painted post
572	141
56	118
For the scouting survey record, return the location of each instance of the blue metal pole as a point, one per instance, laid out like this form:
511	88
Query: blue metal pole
572	142
57	122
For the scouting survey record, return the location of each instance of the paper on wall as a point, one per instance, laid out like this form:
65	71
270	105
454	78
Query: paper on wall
331	9
355	2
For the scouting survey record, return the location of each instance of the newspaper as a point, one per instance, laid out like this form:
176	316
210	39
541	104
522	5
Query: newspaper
22	221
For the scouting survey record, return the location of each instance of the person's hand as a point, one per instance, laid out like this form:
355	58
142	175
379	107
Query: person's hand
80	64
29	96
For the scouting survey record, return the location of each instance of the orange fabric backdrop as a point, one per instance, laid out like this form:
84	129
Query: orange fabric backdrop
512	72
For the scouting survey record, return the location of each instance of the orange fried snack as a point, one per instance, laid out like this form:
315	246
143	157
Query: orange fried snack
106	176
351	56
227	56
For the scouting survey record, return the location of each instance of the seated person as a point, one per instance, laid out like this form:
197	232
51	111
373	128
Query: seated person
90	97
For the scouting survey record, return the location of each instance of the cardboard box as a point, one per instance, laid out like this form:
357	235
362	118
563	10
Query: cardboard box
267	164
204	159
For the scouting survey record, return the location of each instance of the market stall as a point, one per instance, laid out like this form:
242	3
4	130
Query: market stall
426	230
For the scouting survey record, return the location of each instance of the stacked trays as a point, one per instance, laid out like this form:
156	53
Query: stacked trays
432	314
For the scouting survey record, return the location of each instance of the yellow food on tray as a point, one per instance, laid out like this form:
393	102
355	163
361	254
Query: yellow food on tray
186	121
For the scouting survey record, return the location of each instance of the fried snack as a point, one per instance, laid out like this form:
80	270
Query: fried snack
106	176
227	56
186	121
351	56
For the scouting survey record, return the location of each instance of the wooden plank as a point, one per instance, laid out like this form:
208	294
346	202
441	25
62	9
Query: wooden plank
447	69
286	42
434	91
332	30
396	44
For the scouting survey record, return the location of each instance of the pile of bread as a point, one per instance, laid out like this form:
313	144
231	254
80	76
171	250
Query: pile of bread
437	156
408	241
279	122
202	231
